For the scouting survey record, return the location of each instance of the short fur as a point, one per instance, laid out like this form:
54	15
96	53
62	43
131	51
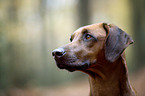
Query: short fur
98	50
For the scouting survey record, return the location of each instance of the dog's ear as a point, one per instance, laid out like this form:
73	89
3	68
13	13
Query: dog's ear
116	42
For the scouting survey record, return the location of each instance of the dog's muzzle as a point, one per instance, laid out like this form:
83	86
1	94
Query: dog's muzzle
68	62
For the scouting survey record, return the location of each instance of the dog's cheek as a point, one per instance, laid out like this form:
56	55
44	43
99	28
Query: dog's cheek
89	45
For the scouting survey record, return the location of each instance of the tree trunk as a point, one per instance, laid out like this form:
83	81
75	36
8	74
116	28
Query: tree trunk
83	12
138	23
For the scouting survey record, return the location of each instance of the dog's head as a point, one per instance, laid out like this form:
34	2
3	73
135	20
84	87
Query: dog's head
86	44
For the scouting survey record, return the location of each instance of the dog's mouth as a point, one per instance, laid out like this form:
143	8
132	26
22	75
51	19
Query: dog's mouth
73	67
71	64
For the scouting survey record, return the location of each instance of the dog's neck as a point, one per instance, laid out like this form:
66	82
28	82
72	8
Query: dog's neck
112	81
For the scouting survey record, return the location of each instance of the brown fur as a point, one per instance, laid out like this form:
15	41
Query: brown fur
101	57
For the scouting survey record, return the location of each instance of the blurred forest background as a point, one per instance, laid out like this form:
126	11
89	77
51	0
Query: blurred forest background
31	29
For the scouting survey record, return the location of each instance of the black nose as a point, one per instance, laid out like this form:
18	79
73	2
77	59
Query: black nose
58	52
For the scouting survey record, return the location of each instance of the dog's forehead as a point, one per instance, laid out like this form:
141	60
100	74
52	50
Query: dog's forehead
95	29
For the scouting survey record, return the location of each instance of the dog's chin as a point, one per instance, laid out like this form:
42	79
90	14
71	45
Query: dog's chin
74	67
62	66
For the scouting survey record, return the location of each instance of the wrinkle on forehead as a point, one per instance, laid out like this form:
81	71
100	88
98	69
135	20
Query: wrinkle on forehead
96	30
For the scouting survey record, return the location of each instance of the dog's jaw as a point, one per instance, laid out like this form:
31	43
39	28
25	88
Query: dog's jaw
71	64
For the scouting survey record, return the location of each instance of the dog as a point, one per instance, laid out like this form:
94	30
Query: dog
98	50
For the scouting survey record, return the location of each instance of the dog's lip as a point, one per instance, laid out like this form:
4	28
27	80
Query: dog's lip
71	64
73	67
62	66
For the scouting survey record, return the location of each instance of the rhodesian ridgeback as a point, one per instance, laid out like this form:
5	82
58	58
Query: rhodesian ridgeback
98	50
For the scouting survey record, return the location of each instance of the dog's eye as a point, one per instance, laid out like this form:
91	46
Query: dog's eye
87	37
70	39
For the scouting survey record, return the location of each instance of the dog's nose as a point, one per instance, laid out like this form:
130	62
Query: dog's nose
58	52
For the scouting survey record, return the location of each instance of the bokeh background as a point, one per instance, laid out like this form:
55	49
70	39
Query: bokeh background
31	29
